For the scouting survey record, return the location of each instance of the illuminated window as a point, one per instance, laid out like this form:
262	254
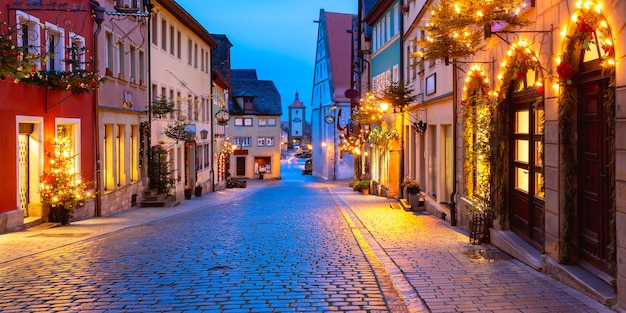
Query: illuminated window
69	128
107	154
120	160
134	153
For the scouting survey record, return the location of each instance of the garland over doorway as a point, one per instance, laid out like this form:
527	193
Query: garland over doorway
588	29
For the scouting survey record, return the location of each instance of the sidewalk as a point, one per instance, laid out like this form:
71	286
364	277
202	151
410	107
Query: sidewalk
30	242
435	268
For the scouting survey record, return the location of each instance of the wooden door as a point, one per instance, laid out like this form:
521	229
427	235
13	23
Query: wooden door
526	179
593	180
241	166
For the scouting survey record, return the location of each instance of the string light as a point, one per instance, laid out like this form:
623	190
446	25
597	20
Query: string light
589	27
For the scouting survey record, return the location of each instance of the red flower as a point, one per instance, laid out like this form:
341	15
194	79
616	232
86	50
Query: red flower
583	26
608	49
564	70
540	90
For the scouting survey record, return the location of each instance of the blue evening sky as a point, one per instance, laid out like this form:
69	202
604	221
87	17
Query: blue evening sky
276	37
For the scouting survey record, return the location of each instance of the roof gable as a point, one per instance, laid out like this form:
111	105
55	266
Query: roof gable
267	99
339	46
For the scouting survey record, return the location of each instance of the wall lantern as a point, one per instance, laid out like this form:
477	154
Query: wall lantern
204	134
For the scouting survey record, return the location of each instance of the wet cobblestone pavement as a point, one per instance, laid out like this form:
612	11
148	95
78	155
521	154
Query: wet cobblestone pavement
292	245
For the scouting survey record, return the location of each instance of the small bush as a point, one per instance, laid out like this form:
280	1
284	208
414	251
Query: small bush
412	187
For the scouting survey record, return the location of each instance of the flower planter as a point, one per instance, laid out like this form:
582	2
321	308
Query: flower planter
188	193
60	214
198	191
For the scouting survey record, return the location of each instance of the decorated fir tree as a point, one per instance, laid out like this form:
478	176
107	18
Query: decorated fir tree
62	188
455	29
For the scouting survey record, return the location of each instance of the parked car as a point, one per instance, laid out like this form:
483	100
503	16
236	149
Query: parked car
308	167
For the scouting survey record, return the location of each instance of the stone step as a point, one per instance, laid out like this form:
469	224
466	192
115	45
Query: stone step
395	205
164	201
406	205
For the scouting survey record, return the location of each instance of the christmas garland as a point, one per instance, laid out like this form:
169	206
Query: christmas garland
476	109
590	28
514	70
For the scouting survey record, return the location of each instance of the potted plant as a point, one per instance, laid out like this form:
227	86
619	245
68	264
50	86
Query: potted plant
412	189
411	186
364	186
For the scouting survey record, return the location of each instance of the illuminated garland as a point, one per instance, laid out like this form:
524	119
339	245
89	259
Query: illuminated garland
520	59
13	62
381	137
476	108
589	26
352	144
369	110
19	64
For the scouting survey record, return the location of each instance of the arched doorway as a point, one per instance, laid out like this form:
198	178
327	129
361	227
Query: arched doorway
586	75
519	137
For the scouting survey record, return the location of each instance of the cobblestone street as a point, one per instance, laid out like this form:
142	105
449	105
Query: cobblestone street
291	245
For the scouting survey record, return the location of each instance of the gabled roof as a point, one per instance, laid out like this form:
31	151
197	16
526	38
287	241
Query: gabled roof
339	47
367	7
244	74
378	11
296	104
266	96
189	21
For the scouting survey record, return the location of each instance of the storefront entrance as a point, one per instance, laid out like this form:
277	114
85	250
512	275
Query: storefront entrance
526	191
593	177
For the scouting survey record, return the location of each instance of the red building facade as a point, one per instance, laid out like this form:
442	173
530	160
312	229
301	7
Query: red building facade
47	90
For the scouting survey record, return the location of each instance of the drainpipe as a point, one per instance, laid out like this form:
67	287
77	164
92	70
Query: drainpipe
148	6
401	79
455	83
212	138
98	16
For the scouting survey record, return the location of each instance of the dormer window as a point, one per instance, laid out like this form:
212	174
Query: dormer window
248	104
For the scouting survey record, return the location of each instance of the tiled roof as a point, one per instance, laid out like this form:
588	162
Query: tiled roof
244	74
296	103
220	57
367	7
266	96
